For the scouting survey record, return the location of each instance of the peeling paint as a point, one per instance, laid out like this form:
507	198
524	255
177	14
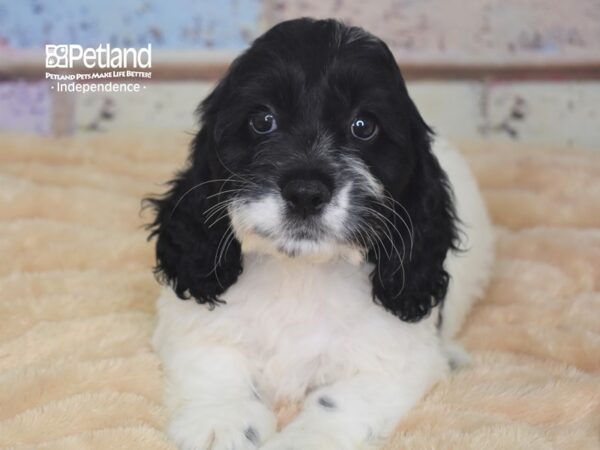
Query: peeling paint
25	107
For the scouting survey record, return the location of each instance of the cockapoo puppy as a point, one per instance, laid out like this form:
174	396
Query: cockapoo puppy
327	243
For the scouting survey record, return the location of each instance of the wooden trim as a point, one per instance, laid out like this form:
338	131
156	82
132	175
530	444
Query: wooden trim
63	113
210	65
551	71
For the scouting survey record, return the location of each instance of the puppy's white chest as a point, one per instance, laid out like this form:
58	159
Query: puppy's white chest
308	323
286	303
300	324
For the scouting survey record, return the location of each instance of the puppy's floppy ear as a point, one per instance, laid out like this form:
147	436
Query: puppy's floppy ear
189	248
412	287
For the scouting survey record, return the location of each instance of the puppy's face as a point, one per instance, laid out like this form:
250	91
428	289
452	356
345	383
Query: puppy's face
310	145
313	133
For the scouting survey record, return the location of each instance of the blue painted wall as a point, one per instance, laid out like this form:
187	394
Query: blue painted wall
174	24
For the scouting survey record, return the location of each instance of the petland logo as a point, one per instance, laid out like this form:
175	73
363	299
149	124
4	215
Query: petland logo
102	57
110	65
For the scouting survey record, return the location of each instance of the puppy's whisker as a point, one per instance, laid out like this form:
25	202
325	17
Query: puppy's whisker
373	246
223	206
382	219
242	178
231	239
397	252
224	249
357	239
228	191
403	283
215	213
226	202
221	217
231	236
409	225
217	206
223	180
378	238
406	211
362	244
400	267
409	230
385	219
366	239
216	260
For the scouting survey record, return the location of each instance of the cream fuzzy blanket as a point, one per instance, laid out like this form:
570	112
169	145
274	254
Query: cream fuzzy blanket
77	302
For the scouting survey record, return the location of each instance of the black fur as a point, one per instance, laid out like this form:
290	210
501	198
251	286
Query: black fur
317	76
186	246
428	199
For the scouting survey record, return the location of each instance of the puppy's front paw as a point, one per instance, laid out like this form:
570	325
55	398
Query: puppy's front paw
313	430
234	427
306	440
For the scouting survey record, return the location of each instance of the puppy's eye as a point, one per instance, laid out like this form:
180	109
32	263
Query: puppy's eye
263	122
364	127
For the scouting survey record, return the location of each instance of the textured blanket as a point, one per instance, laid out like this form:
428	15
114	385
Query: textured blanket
77	302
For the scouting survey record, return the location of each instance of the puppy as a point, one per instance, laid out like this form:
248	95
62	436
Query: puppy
316	227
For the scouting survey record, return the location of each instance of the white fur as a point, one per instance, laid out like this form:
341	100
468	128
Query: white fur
306	329
470	270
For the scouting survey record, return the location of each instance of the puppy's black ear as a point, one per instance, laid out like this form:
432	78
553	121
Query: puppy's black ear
413	280
196	252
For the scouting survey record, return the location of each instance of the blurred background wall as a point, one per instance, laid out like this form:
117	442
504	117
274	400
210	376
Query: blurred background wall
526	70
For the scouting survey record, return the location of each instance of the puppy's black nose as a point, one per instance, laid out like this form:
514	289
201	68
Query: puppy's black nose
306	197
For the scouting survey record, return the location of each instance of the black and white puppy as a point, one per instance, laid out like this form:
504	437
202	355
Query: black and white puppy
316	226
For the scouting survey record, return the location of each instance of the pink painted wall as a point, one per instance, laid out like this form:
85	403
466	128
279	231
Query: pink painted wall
476	31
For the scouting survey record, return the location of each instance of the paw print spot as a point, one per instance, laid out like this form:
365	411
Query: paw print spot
326	402
252	435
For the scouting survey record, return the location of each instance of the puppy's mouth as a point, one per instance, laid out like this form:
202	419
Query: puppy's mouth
306	233
298	236
273	223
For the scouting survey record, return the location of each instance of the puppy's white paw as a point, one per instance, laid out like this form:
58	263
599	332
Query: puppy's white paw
458	357
303	440
242	426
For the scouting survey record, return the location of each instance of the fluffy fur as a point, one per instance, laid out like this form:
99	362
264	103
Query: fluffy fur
77	313
333	306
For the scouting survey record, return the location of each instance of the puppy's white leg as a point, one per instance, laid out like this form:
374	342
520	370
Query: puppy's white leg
212	401
360	412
